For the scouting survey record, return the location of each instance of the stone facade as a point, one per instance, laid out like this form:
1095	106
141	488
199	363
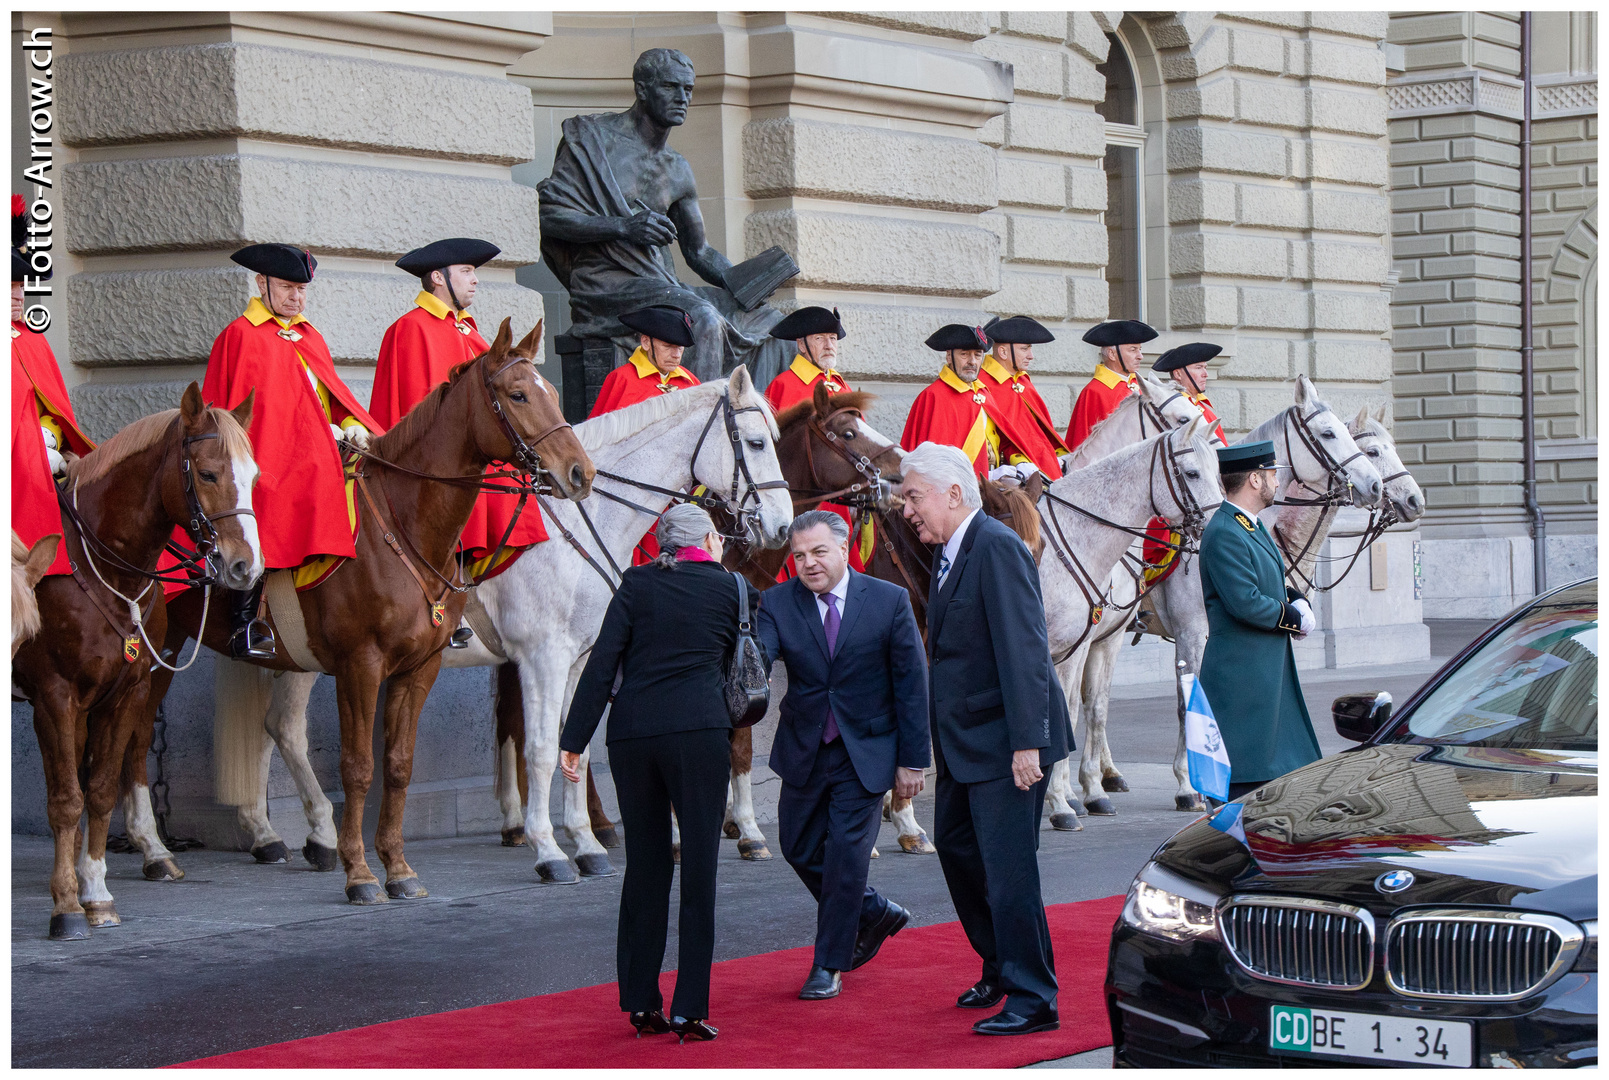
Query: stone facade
1455	132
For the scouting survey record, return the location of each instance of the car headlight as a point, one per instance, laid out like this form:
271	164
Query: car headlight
1167	906
1587	958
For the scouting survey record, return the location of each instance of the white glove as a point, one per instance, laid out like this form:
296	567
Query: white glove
58	464
1025	470
1003	472
357	435
1305	613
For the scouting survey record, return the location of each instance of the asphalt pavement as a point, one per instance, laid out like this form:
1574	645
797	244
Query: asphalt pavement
239	955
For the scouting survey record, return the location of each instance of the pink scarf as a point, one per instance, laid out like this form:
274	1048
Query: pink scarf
694	554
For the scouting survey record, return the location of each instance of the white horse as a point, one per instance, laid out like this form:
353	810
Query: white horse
548	606
1321	457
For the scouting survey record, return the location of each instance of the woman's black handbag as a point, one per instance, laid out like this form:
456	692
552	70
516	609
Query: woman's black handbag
748	684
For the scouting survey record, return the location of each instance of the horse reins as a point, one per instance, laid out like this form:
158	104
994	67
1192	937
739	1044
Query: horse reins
1340	488
1380	520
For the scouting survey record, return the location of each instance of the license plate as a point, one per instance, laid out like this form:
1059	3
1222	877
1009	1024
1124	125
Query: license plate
1370	1037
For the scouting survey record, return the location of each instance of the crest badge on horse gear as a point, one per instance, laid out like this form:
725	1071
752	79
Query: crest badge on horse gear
131	648
290	335
438	612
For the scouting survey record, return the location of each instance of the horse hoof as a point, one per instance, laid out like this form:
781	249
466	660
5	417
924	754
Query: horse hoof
407	888
753	850
1190	804
730	830
162	870
557	872
101	913
595	866
365	894
916	845
888	815
1101	807
1114	783
322	858
608	836
70	926
1065	821
275	852
514	837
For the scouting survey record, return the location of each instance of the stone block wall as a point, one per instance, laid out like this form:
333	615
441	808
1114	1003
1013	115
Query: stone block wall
1455	133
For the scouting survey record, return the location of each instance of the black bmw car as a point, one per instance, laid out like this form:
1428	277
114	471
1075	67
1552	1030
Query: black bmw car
1428	898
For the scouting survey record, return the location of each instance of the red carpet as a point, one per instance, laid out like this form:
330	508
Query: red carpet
897	1012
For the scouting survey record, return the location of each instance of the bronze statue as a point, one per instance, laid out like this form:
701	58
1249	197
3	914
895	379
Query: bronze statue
618	198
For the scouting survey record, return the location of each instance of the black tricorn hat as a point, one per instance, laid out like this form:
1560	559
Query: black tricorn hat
456	251
1197	352
19	221
278	261
20	268
1247	457
957	336
1017	330
1119	332
662	323
807	321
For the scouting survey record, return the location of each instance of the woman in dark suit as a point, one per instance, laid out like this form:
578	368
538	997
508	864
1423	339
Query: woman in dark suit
669	632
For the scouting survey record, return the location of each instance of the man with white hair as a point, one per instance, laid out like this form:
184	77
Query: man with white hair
999	722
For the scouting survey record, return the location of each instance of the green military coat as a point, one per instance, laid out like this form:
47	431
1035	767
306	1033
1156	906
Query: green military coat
1249	672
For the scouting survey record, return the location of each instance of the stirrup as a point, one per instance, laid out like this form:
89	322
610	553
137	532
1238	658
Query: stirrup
461	638
253	641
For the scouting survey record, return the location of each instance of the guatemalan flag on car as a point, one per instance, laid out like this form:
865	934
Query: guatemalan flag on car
1204	751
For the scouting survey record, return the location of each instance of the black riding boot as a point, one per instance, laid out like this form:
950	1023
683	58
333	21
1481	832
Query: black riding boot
252	638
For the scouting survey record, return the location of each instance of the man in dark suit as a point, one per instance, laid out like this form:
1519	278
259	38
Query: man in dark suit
853	725
999	723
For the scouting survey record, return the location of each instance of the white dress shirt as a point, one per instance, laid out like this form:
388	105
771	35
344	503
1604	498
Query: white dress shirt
841	591
952	546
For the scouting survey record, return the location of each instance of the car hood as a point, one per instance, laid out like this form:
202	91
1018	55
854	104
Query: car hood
1475	826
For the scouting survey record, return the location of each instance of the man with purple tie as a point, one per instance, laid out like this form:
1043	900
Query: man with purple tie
853	725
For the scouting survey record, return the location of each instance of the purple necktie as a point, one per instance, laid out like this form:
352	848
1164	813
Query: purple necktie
829	731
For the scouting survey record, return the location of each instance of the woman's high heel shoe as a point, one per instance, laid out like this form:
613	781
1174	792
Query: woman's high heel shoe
697	1030
650	1023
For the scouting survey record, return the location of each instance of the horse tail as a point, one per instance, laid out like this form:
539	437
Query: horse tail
241	695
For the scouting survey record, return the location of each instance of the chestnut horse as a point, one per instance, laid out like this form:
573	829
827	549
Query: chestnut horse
387	613
88	670
28	566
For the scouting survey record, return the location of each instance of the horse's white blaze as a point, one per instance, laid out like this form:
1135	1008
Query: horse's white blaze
92	879
872	435
245	471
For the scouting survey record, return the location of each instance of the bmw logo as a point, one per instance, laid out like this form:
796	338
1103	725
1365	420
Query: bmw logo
1394	881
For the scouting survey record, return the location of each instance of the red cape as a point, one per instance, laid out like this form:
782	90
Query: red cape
943	414
418	351
34	510
1100	397
1207	410
637	380
1033	433
798	383
627	385
300	497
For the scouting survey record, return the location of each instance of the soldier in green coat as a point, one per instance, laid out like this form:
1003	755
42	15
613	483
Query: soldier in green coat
1249	672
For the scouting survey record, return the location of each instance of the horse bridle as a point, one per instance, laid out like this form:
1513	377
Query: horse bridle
744	489
1192	521
872	490
1381	519
1339	488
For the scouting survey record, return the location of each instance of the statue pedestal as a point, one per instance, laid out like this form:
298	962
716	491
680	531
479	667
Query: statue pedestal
585	362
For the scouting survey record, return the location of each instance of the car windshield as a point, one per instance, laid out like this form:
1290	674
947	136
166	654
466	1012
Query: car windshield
1532	687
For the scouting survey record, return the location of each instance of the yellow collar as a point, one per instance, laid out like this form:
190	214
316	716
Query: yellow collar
257	313
949	378
431	303
1111	379
646	369
998	370
807	372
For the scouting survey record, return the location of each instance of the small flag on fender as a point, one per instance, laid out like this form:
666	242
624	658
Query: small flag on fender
1204	750
1227	820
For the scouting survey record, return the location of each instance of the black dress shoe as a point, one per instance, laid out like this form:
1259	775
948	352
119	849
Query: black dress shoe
652	1022
981	995
1010	1023
697	1030
822	984
869	940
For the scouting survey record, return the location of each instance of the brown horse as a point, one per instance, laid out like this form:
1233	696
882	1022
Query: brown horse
88	671
28	566
385	615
